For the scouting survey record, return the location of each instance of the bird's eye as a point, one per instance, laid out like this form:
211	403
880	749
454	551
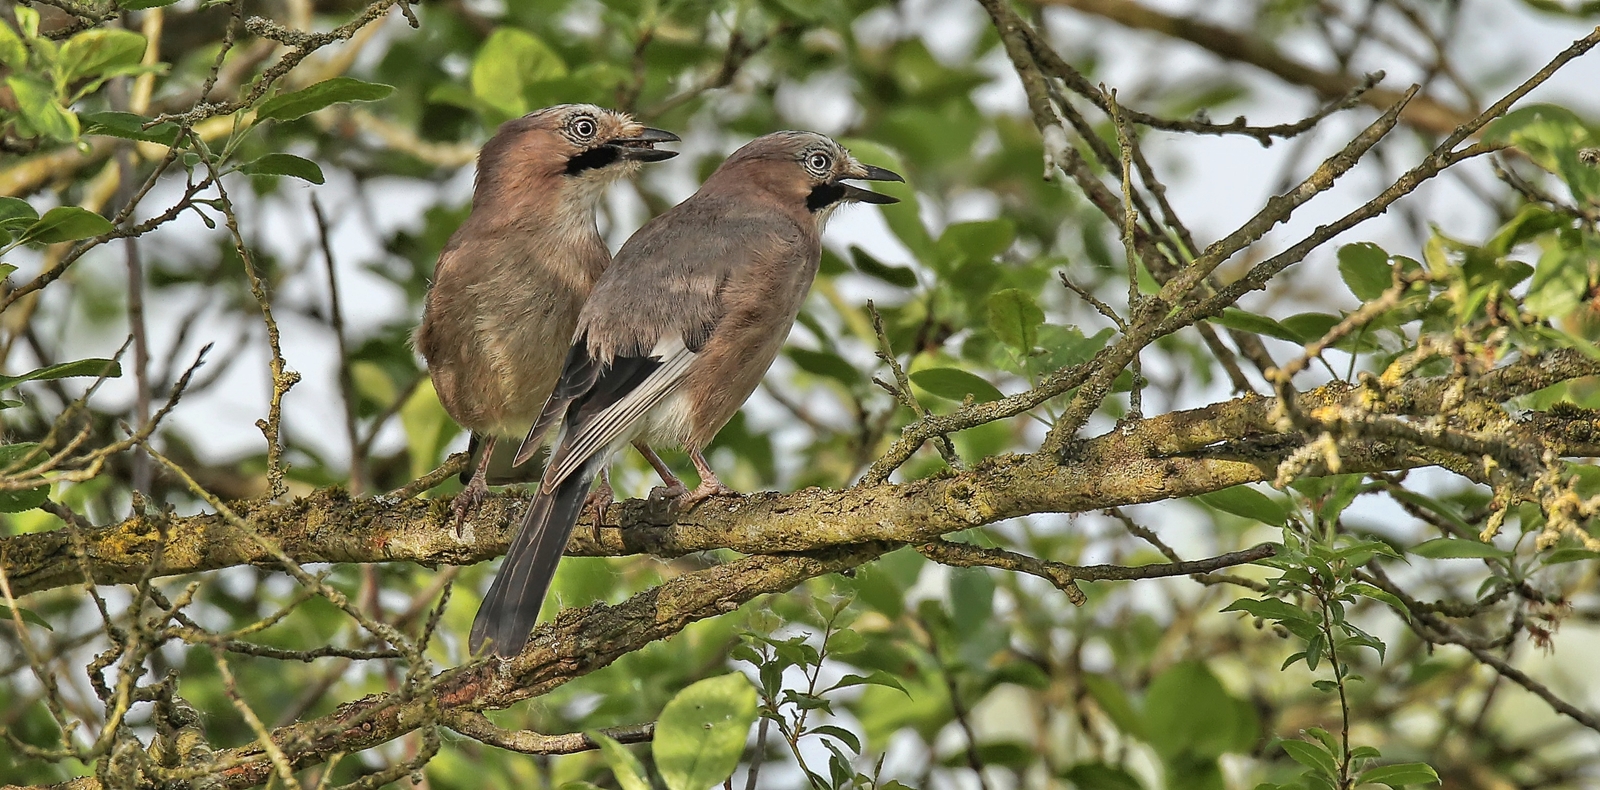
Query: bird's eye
819	163
584	128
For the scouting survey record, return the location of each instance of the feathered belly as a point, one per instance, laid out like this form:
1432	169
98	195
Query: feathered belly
526	364
670	423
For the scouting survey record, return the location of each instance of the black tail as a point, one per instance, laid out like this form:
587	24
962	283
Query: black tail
511	608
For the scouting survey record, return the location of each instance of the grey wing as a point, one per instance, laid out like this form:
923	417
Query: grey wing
594	426
651	315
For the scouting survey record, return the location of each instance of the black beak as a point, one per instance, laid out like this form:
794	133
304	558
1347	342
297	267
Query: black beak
872	173
859	195
640	148
875	173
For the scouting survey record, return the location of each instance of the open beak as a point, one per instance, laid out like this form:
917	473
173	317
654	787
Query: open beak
641	147
871	173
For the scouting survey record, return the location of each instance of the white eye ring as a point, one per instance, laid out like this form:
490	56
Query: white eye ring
819	163
584	128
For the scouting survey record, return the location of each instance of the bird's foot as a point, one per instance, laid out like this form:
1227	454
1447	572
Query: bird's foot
466	502
708	488
670	493
600	500
661	507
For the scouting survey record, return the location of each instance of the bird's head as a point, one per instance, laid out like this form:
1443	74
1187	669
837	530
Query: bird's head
574	144
808	169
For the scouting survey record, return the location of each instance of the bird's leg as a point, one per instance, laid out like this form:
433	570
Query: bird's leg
474	441
709	486
477	487
674	487
600	499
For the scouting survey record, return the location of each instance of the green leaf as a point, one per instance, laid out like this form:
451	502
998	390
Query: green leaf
843	735
14	458
30	616
285	165
27	21
1379	594
99	52
78	367
1249	503
13	53
955	384
1560	282
41	109
624	766
5	270
845	642
128	126
900	276
1188	713
971	599
16	214
1360	552
876	678
822	363
1313	756
135	5
1021	673
1066	346
289	106
1310	327
1113	700
66	223
963	242
1234	318
1366	270
1100	776
1399	775
701	732
1274	609
1561	556
510	61
1015	319
1551	136
1531	221
1458	548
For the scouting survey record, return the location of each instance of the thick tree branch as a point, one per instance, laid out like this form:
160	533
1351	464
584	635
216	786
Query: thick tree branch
1171	456
578	642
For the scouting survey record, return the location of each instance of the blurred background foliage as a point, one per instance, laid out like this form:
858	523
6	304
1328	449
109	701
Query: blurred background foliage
963	677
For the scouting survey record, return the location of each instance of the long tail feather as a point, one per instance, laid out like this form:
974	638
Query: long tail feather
511	607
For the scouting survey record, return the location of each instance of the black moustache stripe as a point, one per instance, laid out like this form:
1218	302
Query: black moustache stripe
823	196
596	157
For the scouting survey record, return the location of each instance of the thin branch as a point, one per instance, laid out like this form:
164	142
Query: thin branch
1427	113
1064	576
477	726
347	387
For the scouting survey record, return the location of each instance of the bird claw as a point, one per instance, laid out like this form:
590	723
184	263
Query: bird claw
661	506
600	500
707	489
466	502
670	493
